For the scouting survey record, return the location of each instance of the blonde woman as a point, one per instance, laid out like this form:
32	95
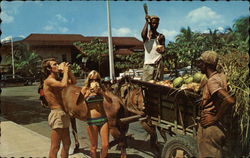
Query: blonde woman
94	94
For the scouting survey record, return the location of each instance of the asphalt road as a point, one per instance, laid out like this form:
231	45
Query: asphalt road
22	106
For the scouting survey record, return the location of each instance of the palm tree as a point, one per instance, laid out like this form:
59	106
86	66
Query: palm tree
27	62
185	35
241	26
213	39
190	44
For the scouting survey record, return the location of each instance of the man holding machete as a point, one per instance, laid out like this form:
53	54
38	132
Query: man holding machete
154	45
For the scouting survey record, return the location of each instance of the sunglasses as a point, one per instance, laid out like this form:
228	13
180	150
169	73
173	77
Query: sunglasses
91	80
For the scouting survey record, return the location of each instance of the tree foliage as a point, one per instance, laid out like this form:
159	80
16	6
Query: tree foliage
241	27
235	65
133	61
76	69
27	62
95	51
232	45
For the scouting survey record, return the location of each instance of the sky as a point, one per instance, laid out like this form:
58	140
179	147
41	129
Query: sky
89	18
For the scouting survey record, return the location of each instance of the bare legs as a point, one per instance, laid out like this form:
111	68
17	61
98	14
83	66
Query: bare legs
93	137
58	135
55	143
104	132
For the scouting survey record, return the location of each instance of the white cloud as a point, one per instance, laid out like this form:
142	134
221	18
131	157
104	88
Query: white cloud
205	31
124	32
9	11
48	28
12	8
59	17
203	16
169	34
121	31
220	29
6	18
22	36
56	24
63	29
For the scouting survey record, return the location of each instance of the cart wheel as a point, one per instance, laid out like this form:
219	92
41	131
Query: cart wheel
180	146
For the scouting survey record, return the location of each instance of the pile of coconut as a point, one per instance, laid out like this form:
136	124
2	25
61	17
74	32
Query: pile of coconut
185	82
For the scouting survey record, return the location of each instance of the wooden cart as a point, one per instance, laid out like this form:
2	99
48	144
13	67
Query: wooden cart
176	112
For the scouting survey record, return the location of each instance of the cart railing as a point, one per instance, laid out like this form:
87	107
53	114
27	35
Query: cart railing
170	108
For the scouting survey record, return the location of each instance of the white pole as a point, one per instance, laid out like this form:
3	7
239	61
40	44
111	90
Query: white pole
111	58
12	54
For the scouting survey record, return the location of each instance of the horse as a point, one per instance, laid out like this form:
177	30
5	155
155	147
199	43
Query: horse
76	107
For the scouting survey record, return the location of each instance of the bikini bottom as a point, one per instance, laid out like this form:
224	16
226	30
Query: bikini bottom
99	121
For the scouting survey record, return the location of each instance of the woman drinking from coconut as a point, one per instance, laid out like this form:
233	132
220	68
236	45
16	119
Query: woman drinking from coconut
94	94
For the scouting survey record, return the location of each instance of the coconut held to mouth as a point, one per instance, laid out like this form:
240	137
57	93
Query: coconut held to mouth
94	97
62	65
94	87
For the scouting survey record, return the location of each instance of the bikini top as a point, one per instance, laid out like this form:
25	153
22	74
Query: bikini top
94	98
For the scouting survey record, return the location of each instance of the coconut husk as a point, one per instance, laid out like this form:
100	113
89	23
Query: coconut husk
194	87
167	83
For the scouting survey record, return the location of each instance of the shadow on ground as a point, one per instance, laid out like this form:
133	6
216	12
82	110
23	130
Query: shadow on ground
144	146
23	110
116	155
110	155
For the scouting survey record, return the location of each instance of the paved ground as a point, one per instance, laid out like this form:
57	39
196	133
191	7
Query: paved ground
18	141
23	113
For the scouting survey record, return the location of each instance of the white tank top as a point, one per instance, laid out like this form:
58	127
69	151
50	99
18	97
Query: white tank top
151	56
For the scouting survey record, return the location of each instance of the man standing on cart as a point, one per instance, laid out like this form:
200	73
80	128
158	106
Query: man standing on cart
154	45
213	128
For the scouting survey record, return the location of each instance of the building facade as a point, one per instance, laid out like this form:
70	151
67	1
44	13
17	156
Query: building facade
61	47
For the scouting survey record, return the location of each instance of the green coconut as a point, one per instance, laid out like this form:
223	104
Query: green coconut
178	82
198	77
204	78
185	76
189	80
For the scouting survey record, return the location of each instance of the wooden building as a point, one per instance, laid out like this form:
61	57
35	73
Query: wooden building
60	46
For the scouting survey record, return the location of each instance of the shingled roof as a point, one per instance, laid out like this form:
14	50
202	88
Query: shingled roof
53	39
69	39
125	45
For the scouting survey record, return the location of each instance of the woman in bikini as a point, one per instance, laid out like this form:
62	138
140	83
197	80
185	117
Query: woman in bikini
94	94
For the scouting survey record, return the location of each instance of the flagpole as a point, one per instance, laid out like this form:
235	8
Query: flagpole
12	57
111	58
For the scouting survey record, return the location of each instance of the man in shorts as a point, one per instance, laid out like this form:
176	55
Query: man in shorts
58	120
213	130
